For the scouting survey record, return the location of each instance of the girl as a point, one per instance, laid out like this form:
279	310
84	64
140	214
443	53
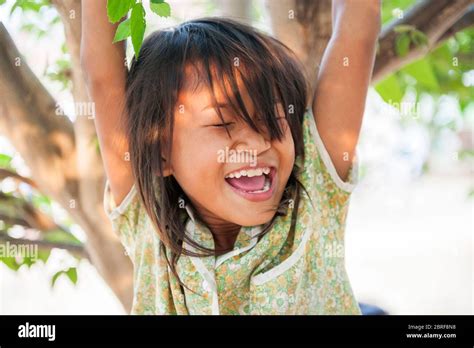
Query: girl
226	196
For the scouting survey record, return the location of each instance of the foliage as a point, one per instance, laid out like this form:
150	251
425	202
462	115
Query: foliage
443	71
71	273
134	26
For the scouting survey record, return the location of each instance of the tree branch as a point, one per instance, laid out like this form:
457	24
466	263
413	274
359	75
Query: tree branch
14	220
18	209
466	21
5	173
433	18
51	147
28	117
76	250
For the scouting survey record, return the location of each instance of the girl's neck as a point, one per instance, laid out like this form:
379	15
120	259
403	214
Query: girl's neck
225	233
224	237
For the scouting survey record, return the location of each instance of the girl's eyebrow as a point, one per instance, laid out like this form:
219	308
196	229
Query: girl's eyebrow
219	105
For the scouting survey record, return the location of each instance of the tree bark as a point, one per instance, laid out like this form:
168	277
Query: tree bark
305	27
434	18
238	10
60	155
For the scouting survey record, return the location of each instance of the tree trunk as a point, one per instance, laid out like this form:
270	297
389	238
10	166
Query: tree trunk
305	27
61	155
238	10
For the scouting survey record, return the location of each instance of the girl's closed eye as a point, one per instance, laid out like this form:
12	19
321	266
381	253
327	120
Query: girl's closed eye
222	125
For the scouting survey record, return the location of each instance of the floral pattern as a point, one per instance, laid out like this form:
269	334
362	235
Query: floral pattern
301	273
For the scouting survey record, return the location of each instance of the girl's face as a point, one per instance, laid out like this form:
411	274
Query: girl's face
204	159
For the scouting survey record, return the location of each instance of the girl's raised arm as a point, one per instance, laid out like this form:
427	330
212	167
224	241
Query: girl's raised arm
105	72
344	77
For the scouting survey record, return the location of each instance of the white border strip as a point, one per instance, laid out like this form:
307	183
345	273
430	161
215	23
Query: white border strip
208	277
346	186
222	258
210	280
110	207
286	264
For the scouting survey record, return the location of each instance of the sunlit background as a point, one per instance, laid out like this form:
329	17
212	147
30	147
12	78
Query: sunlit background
409	236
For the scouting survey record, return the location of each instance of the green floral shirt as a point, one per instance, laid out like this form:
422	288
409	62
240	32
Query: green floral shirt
282	273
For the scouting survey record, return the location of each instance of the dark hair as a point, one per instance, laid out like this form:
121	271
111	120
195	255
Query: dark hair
269	71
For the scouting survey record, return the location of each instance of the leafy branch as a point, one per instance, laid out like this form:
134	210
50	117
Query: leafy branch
134	26
408	34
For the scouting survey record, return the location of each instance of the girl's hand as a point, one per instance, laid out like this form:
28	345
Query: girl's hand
344	77
105	72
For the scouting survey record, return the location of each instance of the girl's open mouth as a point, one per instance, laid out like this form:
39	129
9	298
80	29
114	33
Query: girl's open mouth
254	184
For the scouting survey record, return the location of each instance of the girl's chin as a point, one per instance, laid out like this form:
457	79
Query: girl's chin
253	219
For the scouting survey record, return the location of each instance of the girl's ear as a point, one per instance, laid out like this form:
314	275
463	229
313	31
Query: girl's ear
167	169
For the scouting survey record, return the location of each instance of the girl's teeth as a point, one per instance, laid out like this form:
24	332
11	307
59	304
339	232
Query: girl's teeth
250	173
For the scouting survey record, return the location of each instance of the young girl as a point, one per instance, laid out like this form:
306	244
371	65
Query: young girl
226	196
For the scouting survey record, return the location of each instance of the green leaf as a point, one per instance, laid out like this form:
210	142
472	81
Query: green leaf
403	28
160	7
43	255
422	71
5	161
11	263
419	38
123	31
41	201
55	277
389	6
28	261
137	27
29	5
471	193
14	7
390	89
402	44
72	274
117	9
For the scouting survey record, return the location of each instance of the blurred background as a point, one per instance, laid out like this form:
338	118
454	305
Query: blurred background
409	237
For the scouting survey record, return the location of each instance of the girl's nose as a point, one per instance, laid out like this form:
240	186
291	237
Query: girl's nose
250	140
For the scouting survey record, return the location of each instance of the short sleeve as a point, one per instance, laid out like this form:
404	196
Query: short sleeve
126	217
319	164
